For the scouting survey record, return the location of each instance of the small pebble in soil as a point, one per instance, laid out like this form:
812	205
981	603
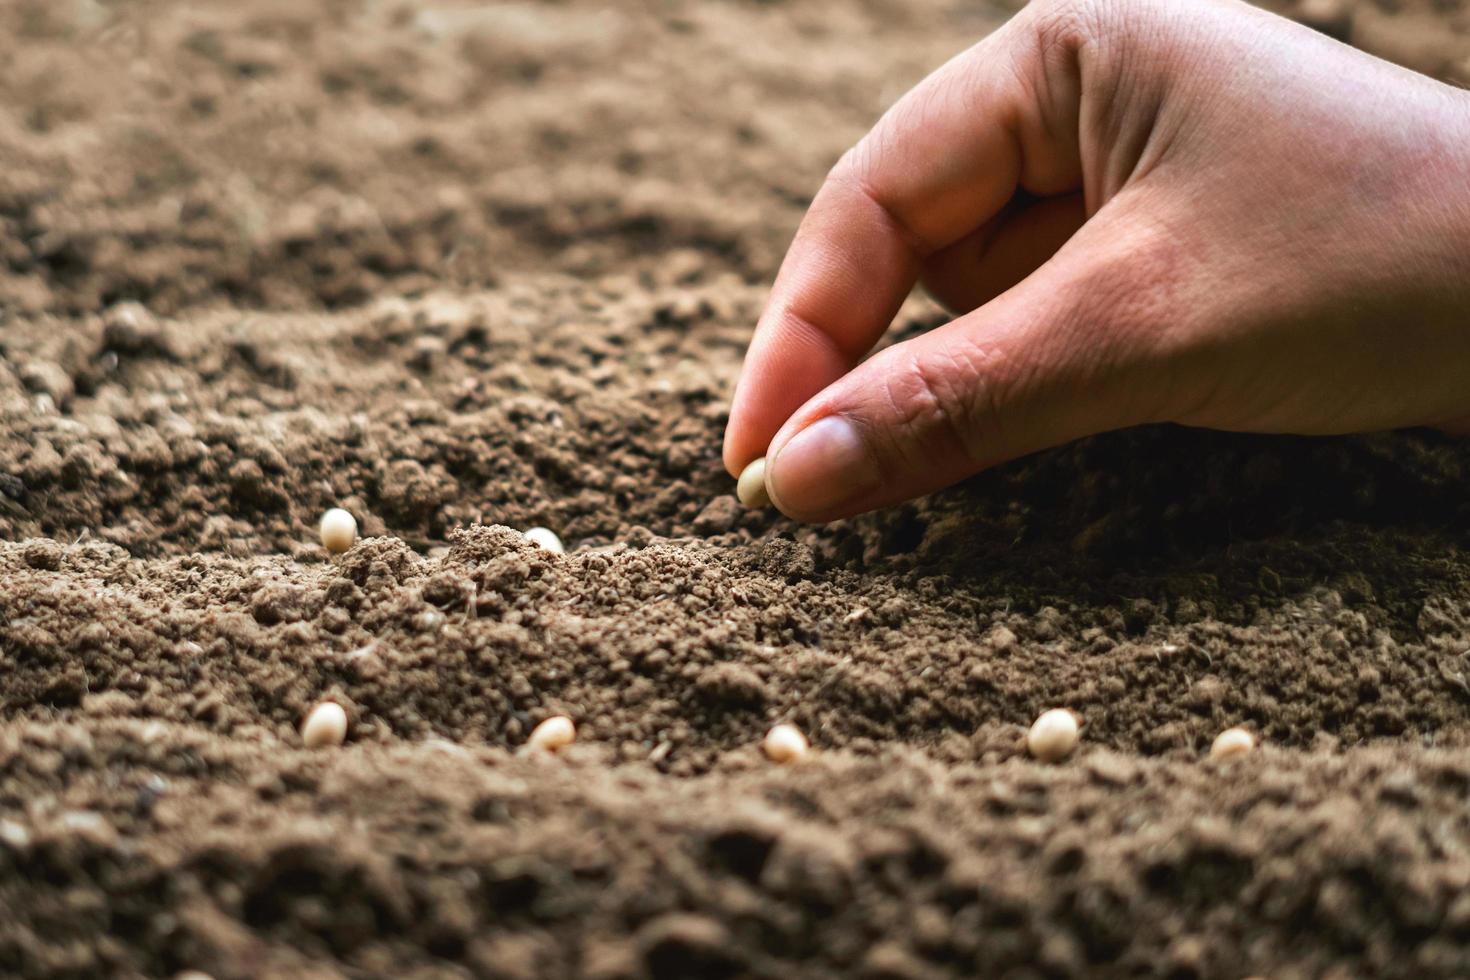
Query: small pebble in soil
786	744
339	530
325	725
546	538
1053	736
1232	743
751	487
554	733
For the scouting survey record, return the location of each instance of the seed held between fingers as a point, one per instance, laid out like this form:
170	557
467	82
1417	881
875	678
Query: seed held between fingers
1053	735
554	733
751	487
338	530
325	726
1232	743
785	744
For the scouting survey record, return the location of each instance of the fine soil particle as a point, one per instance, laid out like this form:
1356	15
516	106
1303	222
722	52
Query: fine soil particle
464	269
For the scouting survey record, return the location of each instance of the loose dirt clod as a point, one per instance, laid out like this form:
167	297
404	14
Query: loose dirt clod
1053	736
751	487
554	733
546	538
339	530
1232	743
786	744
325	725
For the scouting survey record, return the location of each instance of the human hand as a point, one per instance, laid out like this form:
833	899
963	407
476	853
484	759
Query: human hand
1141	211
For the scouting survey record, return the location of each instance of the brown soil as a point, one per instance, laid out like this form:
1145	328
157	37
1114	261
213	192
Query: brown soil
466	268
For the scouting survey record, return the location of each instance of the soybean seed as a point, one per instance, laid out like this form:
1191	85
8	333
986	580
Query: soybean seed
338	530
751	487
554	733
1232	743
545	538
786	744
325	725
1053	736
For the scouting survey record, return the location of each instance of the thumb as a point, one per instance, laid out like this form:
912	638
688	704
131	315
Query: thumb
1073	350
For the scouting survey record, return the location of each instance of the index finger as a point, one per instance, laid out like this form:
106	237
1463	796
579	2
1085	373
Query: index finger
940	163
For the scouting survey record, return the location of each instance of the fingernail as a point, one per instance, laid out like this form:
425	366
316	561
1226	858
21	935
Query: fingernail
822	467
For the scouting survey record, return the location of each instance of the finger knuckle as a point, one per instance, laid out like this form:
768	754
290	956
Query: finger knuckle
1070	25
944	401
859	174
1064	25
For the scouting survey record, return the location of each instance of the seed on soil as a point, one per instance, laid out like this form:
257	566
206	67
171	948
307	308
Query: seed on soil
751	487
339	530
1053	736
786	744
546	538
325	725
1232	743
554	733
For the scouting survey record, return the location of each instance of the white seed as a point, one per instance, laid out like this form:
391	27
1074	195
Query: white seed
14	834
554	733
751	487
1053	736
545	538
339	530
1232	743
325	725
786	744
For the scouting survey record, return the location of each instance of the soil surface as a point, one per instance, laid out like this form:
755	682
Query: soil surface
468	268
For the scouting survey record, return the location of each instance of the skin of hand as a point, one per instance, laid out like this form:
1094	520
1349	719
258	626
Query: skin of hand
1186	211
